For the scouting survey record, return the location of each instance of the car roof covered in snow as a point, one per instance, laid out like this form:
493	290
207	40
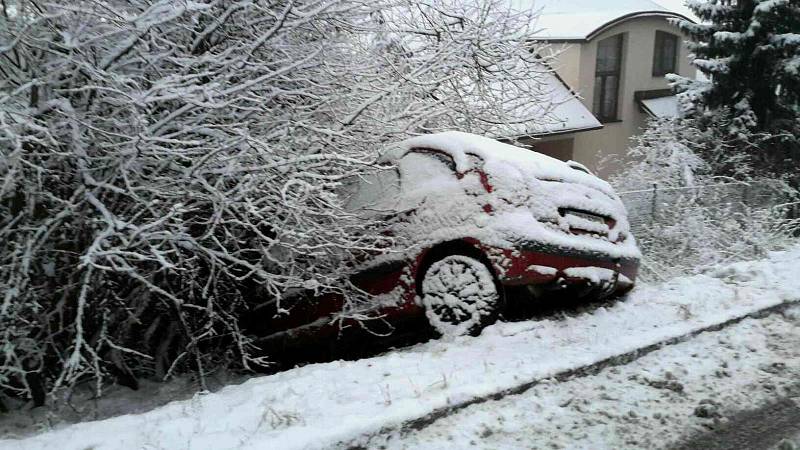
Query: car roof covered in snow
496	155
585	19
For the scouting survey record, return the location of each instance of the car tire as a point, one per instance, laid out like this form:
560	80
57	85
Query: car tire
460	295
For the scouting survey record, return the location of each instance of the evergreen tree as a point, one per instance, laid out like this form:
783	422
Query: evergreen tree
750	49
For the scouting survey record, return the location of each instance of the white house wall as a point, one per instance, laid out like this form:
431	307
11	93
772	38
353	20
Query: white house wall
577	66
568	63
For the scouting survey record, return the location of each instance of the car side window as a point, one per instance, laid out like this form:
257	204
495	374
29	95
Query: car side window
427	172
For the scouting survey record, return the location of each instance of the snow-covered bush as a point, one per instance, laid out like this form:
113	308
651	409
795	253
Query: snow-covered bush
742	122
165	164
684	216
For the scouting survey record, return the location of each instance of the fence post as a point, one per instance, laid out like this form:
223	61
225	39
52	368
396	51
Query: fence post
654	206
746	196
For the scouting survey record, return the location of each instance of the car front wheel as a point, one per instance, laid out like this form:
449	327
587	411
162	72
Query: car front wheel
460	296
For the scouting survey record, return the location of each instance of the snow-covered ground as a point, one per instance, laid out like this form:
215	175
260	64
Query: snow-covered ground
653	402
320	405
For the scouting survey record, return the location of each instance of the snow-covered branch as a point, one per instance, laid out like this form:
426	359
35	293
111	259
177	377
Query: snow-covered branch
165	165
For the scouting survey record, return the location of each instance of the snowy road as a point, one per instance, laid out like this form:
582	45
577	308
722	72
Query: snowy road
736	388
373	400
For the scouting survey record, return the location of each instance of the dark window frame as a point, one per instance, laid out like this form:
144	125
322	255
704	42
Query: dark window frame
600	88
443	157
662	65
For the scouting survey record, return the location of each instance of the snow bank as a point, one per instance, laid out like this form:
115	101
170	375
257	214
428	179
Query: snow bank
318	405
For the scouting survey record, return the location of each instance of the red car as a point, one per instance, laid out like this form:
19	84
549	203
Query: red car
474	218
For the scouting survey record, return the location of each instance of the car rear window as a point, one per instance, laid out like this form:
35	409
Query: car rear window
427	172
372	190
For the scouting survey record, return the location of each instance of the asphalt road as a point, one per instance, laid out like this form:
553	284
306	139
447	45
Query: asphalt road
762	428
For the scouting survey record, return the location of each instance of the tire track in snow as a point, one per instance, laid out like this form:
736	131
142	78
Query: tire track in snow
577	372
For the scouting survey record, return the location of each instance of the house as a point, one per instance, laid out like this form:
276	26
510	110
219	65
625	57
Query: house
614	54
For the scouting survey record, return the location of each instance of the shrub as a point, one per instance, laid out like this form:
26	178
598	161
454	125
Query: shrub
166	164
684	216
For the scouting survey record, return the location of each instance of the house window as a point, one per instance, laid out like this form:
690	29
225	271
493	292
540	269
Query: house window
665	54
606	78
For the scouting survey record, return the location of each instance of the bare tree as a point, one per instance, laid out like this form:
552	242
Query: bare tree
164	163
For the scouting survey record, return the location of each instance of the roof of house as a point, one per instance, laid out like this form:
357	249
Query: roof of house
679	6
582	20
565	113
661	106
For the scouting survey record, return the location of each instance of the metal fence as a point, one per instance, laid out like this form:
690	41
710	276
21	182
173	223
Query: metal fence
660	203
682	228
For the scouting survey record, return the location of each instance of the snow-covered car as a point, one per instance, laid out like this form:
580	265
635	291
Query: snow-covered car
473	218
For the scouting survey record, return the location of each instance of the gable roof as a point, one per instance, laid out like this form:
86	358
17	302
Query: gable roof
582	20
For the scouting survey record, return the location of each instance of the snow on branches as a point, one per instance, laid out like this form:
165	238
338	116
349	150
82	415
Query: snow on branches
749	49
686	215
165	164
